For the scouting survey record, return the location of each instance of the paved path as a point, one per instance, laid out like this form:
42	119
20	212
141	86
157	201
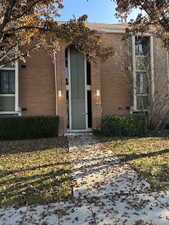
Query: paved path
105	191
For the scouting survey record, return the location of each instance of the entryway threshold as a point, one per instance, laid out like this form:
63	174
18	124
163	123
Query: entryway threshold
78	133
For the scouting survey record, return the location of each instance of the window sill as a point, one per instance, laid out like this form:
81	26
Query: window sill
3	94
140	111
8	113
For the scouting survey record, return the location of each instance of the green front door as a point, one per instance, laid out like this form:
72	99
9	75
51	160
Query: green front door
78	111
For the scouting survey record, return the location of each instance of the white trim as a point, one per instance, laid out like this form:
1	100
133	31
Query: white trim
110	30
7	95
78	131
17	87
118	31
140	95
141	34
10	113
134	73
168	68
152	66
70	107
137	110
86	105
141	71
7	68
56	89
141	56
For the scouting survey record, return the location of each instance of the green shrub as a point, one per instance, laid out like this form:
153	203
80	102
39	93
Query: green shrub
124	125
28	127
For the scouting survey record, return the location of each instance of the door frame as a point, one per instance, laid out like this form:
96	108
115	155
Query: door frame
86	99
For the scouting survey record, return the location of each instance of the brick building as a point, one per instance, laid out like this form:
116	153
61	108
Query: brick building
81	92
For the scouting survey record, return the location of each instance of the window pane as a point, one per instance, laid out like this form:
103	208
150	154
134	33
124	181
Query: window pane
88	73
66	75
66	68
11	80
142	102
3	82
67	106
141	63
142	45
141	83
7	82
7	103
8	65
89	104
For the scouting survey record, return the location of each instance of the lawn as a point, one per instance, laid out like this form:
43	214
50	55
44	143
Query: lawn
32	175
149	156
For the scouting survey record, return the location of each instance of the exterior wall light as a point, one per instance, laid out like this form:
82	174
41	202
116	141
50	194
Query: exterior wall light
59	93
98	93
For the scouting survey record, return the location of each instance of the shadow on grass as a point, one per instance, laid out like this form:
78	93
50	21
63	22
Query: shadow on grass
128	157
55	184
21	146
66	163
164	135
38	188
35	184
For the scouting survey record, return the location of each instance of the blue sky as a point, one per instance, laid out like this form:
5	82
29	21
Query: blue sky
100	11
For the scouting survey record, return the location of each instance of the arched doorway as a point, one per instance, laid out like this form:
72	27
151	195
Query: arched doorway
78	87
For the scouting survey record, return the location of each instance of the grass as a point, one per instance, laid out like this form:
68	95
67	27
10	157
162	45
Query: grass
33	177
149	156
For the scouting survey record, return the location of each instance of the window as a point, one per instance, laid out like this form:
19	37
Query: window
141	90
141	65
66	72
142	45
7	82
89	108
88	73
7	90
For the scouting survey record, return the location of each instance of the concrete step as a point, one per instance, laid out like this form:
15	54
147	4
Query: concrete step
78	133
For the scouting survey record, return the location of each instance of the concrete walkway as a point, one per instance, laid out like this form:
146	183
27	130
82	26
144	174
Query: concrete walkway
105	192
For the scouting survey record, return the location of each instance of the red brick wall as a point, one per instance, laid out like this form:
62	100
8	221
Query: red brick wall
37	83
96	101
37	90
114	76
61	101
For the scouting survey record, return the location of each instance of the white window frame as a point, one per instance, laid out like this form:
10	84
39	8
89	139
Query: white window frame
135	109
167	56
152	66
17	109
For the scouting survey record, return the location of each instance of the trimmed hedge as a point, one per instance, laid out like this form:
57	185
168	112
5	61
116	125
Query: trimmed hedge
124	125
28	127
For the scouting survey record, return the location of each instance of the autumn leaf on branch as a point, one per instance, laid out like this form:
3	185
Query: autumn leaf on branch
153	17
27	25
